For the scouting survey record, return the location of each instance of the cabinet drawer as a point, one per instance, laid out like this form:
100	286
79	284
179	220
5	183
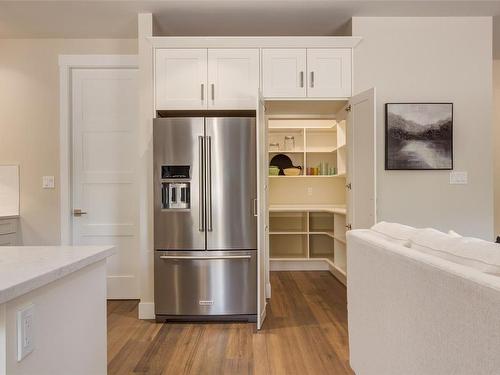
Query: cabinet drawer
8	239
8	226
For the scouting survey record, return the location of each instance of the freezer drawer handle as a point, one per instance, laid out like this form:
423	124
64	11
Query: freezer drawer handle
194	257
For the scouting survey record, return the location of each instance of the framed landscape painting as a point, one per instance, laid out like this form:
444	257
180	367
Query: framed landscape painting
418	136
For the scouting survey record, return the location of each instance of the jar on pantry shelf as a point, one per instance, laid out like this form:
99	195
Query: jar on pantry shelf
289	143
275	146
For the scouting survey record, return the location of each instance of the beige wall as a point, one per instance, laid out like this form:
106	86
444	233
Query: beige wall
29	122
496	142
425	60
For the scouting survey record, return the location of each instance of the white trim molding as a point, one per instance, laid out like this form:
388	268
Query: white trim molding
147	310
256	42
66	64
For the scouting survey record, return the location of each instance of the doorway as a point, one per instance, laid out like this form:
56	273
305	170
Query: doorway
101	156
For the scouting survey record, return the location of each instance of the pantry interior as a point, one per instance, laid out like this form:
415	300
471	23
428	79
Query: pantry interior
307	212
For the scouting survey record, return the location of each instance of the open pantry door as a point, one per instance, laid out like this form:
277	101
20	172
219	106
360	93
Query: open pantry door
361	162
262	225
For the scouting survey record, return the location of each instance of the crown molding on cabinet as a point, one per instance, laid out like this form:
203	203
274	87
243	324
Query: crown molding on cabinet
256	42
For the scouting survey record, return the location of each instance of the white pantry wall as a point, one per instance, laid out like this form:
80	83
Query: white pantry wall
29	122
496	142
433	59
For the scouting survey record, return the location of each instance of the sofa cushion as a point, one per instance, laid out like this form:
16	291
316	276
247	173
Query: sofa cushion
394	232
472	252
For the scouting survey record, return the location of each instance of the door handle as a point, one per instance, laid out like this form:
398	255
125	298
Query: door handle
200	257
202	92
201	158
213	91
78	212
255	207
312	79
301	79
209	182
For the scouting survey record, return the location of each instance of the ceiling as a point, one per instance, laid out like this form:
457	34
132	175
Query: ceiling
118	19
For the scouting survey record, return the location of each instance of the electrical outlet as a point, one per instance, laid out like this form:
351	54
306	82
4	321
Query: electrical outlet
309	191
25	331
48	182
458	178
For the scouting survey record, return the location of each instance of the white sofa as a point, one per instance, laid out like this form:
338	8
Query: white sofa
415	313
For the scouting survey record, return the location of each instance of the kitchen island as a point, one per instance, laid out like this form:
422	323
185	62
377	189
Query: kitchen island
53	309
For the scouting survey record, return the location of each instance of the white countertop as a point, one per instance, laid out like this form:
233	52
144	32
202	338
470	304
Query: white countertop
26	268
336	209
5	217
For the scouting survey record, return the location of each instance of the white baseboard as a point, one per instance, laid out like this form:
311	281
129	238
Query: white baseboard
146	310
268	290
298	265
262	316
122	287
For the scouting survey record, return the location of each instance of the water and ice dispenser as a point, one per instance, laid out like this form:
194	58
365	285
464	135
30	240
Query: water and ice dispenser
176	191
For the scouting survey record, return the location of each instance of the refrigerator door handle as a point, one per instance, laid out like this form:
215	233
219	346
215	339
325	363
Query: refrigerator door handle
209	183
198	257
201	156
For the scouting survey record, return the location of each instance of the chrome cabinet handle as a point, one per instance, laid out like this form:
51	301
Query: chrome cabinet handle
213	91
201	156
312	79
209	182
202	92
78	212
255	207
301	79
197	257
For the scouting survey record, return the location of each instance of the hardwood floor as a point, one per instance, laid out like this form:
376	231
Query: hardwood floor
305	332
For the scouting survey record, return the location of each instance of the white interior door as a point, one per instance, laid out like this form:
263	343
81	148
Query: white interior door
329	72
104	184
233	78
262	225
181	78
361	162
284	73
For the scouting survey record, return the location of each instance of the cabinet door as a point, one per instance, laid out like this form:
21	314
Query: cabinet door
329	73
284	73
181	78
361	161
233	78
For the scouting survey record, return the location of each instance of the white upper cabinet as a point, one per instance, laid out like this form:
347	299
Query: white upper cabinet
313	73
181	78
329	73
284	73
233	78
207	79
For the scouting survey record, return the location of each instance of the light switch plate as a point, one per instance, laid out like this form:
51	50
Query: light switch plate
25	331
48	182
458	178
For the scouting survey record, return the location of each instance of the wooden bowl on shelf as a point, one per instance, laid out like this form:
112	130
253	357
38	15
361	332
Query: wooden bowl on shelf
292	171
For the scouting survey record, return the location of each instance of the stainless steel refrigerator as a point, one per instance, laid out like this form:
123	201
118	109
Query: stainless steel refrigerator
205	224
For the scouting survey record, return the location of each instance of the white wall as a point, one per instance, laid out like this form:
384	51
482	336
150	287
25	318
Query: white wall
69	326
496	142
29	122
425	60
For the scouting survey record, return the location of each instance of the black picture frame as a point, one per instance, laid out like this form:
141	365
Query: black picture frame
390	165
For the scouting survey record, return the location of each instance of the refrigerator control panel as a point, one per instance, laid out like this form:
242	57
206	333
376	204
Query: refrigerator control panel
175	171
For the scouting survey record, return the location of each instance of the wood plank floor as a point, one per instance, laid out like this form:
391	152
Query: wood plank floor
305	332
